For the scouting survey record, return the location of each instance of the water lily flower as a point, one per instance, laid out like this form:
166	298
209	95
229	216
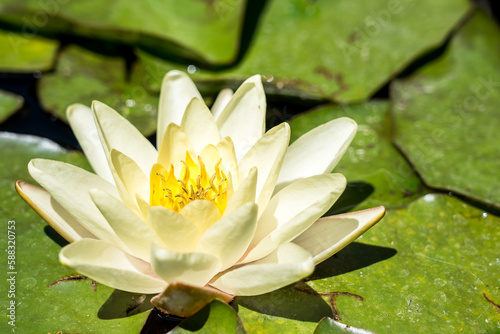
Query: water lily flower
220	204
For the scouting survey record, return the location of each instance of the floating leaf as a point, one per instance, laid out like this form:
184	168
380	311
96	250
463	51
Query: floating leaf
216	317
330	326
335	50
206	31
374	168
446	265
67	306
26	52
82	76
9	104
447	118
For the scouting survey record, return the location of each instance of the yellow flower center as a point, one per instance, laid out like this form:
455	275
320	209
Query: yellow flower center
193	184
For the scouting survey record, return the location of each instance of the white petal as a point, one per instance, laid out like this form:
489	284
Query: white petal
288	264
82	123
291	211
176	231
118	133
317	152
221	102
202	213
228	155
70	185
52	212
173	147
108	265
199	125
243	119
130	179
177	90
244	194
135	233
229	237
191	268
267	155
330	234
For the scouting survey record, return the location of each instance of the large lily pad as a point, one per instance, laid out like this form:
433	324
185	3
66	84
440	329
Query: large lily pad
82	76
66	307
446	273
447	114
336	50
9	104
375	169
26	52
217	317
206	31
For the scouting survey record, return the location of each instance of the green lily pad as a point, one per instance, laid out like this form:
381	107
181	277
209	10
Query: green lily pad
330	326
336	50
82	76
9	104
26	52
445	274
373	167
216	317
205	31
66	307
446	114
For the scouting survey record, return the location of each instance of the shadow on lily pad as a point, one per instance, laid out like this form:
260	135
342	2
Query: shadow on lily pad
353	257
121	304
51	233
292	302
353	195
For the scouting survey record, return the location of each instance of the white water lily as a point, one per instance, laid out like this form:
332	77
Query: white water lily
221	203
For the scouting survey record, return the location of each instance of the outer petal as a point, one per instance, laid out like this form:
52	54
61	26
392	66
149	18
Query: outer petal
69	186
191	268
267	155
107	264
229	237
329	235
118	133
288	264
135	233
317	152
176	231
243	119
221	102
83	125
177	90
291	211
52	212
199	125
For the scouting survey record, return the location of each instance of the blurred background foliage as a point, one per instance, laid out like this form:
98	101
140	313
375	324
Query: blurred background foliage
421	78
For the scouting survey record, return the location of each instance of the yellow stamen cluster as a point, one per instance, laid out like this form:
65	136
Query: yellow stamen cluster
193	184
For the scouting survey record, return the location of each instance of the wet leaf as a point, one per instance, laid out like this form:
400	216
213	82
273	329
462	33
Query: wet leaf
376	171
446	262
216	317
336	50
330	326
67	306
447	118
82	76
9	104
205	31
23	52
